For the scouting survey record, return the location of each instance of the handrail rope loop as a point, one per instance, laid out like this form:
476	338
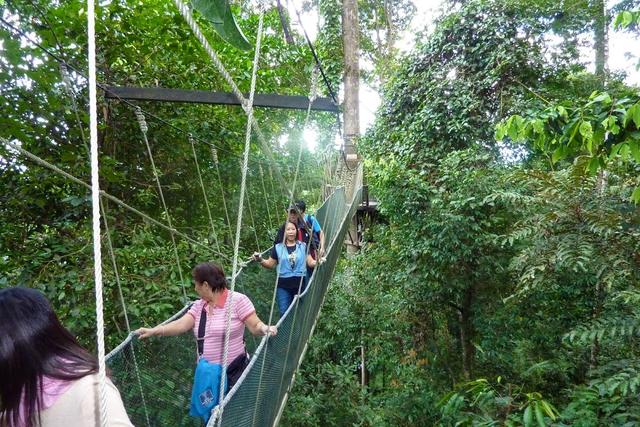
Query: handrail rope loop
251	218
204	192
273	191
144	129
266	197
216	163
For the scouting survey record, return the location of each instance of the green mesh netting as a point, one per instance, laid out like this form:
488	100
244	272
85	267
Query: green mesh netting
157	389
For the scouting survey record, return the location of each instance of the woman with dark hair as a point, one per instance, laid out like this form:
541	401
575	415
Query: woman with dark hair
290	256
211	286
46	377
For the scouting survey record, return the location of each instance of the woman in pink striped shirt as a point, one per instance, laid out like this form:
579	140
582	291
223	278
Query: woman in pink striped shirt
215	300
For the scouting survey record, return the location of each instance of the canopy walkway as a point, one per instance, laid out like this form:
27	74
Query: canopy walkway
166	365
155	378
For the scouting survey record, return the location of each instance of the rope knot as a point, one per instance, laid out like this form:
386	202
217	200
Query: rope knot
313	90
262	7
64	71
214	154
141	120
215	414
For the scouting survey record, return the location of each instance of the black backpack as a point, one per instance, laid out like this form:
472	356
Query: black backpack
315	236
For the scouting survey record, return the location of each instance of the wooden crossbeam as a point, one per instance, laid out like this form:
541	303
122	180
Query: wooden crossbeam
220	98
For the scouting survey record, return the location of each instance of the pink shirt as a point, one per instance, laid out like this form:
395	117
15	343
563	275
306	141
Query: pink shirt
241	309
51	389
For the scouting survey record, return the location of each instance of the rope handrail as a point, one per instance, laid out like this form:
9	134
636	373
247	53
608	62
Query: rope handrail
95	211
117	349
243	184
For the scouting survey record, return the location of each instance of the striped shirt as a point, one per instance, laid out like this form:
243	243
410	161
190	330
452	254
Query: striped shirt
215	329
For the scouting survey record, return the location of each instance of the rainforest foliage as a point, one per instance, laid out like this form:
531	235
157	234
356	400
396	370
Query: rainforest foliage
499	283
46	223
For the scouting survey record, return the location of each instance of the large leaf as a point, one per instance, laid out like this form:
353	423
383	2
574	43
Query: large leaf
218	12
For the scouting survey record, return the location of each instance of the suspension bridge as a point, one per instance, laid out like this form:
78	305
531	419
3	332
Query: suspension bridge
155	377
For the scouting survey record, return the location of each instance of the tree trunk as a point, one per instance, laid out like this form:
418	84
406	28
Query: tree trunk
351	41
601	25
466	331
390	40
351	44
284	21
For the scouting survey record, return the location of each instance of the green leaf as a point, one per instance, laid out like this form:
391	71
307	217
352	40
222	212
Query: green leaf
218	12
593	165
634	147
632	113
636	115
539	416
527	418
563	112
538	126
559	154
514	126
627	18
548	409
603	97
635	196
625	152
586	130
611	124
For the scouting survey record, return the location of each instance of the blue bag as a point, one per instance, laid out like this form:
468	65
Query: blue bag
206	382
206	389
